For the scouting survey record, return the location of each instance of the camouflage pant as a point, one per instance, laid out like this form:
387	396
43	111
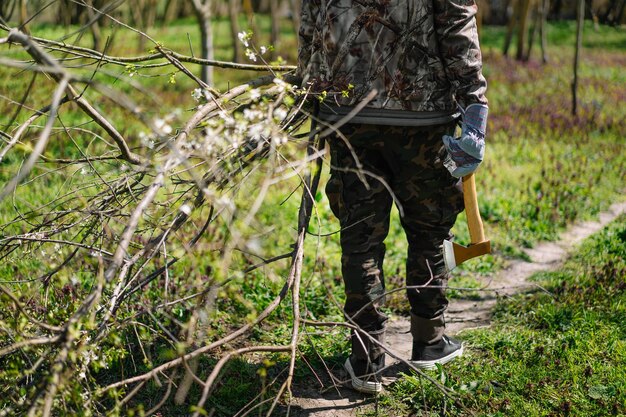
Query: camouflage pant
384	164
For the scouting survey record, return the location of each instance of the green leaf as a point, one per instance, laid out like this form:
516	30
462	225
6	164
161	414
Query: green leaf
601	392
195	408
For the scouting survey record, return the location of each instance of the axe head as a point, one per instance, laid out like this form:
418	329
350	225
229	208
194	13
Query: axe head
455	254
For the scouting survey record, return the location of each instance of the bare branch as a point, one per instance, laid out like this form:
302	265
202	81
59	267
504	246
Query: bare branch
59	75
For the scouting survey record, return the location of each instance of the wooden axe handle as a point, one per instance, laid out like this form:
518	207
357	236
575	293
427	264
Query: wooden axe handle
474	222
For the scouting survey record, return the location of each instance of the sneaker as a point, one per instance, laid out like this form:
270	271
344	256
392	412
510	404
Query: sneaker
441	352
363	381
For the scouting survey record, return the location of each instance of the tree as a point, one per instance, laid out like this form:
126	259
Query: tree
579	39
614	13
202	9
296	6
175	9
233	14
526	12
275	25
7	8
143	13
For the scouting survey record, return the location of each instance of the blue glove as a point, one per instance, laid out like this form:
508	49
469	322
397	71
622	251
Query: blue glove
466	152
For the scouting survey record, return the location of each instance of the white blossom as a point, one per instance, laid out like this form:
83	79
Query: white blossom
200	94
163	126
255	94
282	85
197	94
280	113
279	139
256	130
186	208
225	203
227	118
243	38
254	246
251	114
251	55
241	128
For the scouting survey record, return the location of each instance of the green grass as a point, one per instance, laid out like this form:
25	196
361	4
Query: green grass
556	353
544	169
560	34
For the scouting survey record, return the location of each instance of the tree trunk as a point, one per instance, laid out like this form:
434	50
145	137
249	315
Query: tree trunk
557	8
532	30
23	16
94	23
275	29
620	14
150	13
522	30
296	7
6	9
169	12
220	9
545	7
176	9
511	27
579	40
136	11
613	12
233	12
206	32
203	13
62	16
590	11
249	10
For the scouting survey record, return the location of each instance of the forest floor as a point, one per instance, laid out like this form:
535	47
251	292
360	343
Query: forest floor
463	314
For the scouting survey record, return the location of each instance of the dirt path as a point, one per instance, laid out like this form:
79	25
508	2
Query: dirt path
462	314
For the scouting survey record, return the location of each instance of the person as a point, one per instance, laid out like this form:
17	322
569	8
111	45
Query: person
413	68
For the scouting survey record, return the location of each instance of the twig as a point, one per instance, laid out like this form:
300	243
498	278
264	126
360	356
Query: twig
220	364
59	75
118	60
24	126
21	308
41	143
29	342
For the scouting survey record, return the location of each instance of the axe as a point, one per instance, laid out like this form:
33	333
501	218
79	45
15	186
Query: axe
455	254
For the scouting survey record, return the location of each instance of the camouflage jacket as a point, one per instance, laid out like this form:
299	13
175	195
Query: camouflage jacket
419	55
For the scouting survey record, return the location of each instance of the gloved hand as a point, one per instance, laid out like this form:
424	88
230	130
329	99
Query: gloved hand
466	152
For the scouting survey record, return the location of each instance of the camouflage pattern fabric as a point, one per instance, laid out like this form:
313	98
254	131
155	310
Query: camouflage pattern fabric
419	55
371	167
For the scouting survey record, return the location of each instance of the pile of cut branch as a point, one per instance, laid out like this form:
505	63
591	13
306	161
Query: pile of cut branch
138	204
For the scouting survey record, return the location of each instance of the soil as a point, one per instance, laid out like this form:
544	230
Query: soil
335	400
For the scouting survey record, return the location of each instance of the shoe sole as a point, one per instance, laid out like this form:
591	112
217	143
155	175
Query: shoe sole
358	384
441	361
